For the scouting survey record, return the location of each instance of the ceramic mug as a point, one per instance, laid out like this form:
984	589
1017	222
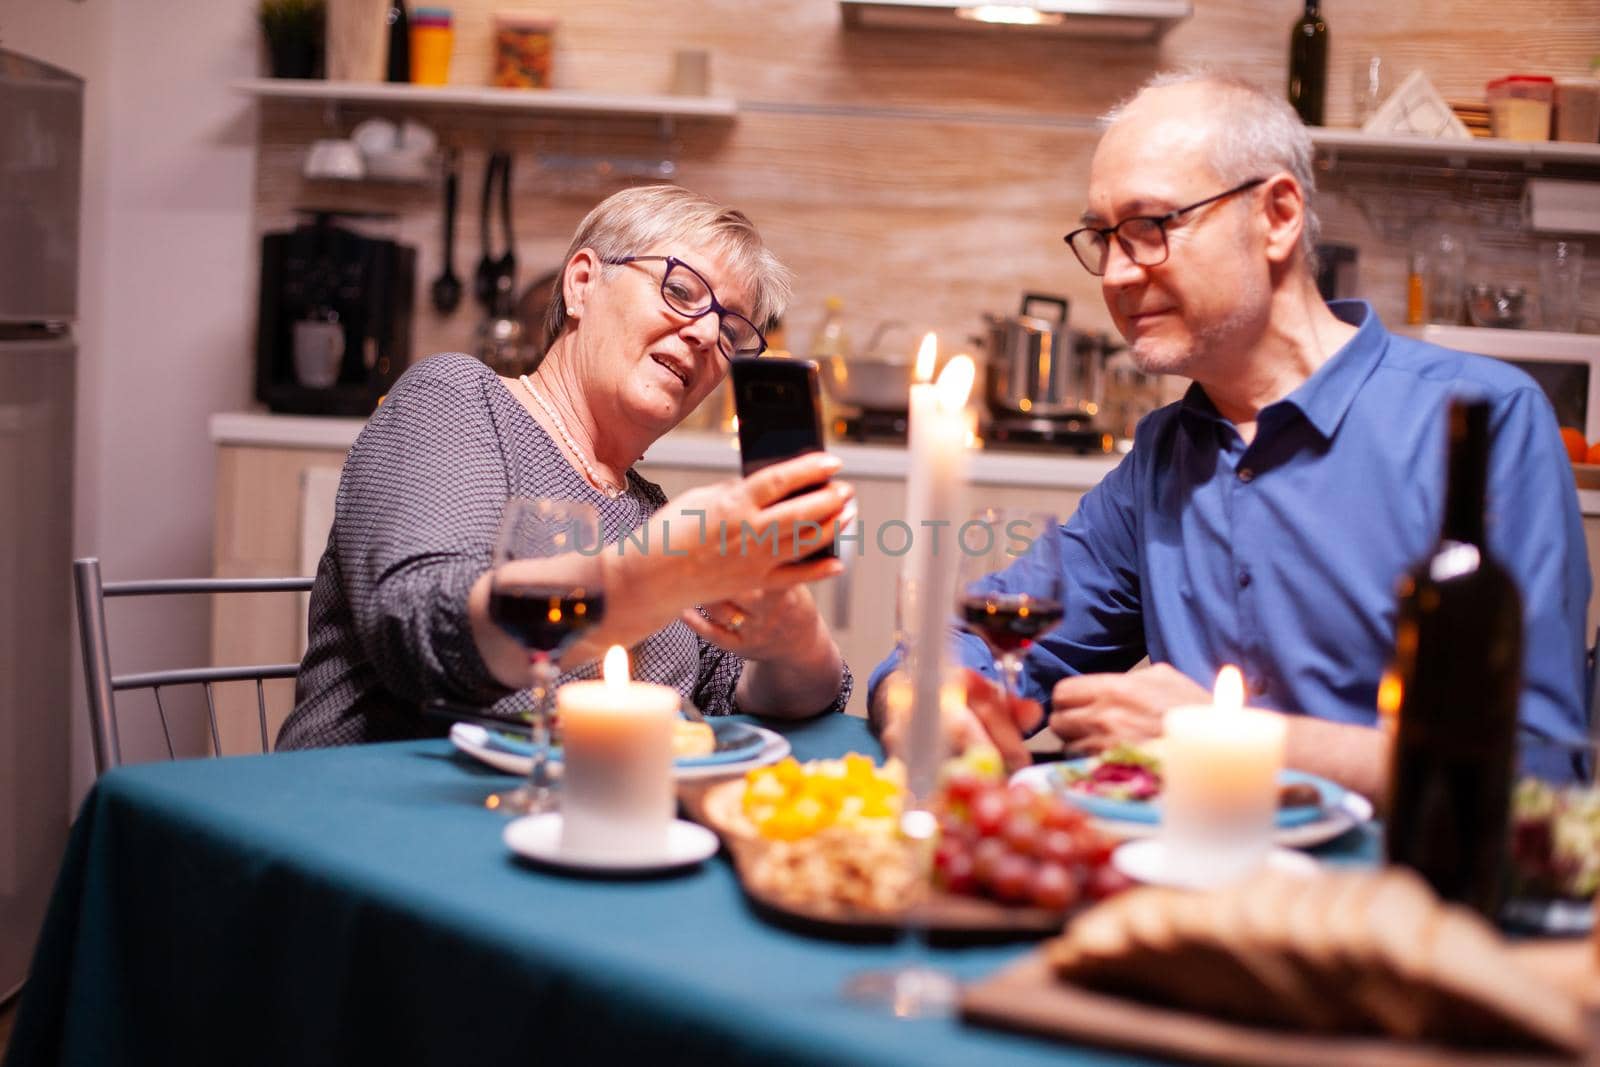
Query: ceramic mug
318	352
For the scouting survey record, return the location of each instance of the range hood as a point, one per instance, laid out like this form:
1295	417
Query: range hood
1118	20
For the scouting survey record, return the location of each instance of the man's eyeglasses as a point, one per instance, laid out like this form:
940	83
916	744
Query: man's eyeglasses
688	294
1143	238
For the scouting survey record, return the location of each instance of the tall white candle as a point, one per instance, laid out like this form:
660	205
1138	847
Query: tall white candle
942	454
616	741
923	405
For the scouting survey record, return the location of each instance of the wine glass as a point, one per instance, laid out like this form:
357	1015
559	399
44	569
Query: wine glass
544	605
1010	589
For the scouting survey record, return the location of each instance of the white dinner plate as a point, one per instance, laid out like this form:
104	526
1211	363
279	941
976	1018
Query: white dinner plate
1351	810
473	740
538	838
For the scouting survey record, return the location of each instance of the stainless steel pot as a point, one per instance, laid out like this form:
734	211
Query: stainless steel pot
1040	368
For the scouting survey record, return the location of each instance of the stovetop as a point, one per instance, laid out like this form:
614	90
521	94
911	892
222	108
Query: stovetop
1055	435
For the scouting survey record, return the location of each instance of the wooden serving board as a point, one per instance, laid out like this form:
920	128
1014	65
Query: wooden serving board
719	806
1587	475
1028	997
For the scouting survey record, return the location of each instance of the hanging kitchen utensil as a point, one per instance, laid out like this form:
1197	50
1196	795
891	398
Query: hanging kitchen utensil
447	287
506	269
483	280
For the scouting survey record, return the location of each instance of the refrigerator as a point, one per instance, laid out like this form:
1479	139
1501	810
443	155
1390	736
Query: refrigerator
41	150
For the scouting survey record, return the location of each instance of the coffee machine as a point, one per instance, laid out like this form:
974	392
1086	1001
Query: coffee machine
335	316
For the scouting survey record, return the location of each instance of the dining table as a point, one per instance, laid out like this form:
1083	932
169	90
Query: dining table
358	904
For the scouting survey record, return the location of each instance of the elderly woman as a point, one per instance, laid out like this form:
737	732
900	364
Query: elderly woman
660	289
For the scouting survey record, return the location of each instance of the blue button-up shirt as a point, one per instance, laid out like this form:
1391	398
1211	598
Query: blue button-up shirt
1283	555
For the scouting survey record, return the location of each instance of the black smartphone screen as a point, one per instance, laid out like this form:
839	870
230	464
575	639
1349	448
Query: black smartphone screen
778	401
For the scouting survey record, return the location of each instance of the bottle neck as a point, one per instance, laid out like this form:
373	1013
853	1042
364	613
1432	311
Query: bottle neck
1467	474
1313	9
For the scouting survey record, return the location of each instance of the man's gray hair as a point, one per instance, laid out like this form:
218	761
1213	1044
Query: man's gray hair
1257	133
633	220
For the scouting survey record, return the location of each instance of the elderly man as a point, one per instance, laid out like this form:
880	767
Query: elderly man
1265	518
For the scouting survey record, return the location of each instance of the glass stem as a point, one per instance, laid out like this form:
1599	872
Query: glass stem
1011	674
544	676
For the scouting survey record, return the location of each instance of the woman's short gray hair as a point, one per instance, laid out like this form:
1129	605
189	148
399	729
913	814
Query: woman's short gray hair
628	222
1255	134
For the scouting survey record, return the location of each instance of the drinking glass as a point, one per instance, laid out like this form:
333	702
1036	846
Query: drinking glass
1554	847
1447	276
1369	85
1560	278
544	604
1010	589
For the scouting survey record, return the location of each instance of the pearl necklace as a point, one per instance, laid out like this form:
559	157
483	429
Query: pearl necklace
610	492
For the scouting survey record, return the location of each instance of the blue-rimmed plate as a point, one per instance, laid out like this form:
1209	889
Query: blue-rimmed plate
740	746
1298	827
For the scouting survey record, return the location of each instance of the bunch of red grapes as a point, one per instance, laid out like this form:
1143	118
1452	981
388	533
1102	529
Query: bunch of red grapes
1019	846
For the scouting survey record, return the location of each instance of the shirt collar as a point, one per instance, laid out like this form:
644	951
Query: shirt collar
1326	396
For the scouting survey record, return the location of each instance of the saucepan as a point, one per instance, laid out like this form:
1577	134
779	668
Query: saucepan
877	380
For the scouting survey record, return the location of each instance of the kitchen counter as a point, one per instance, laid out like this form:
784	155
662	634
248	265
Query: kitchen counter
700	450
716	453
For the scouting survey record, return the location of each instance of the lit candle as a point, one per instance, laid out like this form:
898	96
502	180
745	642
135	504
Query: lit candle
941	455
1219	795
616	741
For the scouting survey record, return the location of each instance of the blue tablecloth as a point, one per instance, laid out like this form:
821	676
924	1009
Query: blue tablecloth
358	904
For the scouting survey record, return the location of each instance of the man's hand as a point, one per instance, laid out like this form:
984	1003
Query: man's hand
1093	712
985	718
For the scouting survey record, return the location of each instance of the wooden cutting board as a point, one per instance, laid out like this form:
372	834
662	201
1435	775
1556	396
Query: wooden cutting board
718	805
1029	998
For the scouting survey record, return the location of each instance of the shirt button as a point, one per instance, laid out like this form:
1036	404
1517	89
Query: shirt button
1244	579
1245	474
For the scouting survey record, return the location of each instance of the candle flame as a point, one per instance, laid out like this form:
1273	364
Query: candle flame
927	356
955	382
1229	693
615	667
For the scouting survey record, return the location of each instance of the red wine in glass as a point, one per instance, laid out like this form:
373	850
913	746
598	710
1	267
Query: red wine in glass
1010	585
1009	622
545	618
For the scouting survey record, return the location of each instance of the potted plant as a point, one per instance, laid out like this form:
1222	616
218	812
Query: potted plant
294	30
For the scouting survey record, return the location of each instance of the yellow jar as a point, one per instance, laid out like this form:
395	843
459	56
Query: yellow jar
431	41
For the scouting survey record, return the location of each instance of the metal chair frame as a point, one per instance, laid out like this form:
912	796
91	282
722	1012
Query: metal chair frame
103	685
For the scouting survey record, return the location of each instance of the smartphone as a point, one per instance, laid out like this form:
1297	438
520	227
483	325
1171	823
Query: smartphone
779	404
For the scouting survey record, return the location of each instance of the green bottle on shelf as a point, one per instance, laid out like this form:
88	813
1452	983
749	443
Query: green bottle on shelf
1308	64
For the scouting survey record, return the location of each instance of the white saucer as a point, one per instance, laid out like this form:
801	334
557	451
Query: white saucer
538	838
1146	860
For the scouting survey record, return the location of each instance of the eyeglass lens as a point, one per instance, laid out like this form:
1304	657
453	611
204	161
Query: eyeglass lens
688	294
1143	240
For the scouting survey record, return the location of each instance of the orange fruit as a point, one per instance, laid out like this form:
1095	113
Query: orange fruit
1594	452
1577	447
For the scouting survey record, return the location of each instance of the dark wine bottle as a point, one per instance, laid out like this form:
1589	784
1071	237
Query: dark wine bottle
399	42
1308	64
1455	683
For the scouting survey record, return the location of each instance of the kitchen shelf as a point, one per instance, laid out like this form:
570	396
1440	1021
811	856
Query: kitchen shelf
530	102
1532	155
1133	21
